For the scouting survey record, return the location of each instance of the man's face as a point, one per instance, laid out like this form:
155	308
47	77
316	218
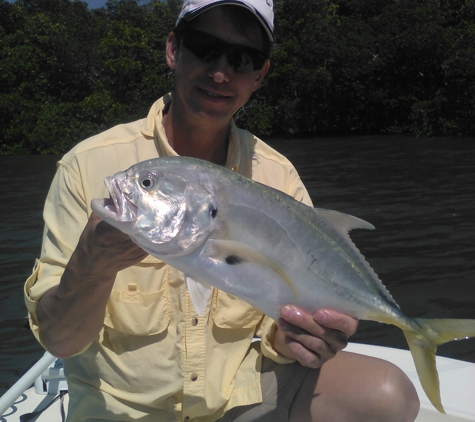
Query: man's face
213	90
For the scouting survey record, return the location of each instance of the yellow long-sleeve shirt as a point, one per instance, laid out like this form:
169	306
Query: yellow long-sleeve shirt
155	359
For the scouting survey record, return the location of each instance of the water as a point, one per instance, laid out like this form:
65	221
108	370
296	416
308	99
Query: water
420	195
24	181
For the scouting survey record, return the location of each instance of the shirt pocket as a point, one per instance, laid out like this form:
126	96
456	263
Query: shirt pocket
137	313
232	312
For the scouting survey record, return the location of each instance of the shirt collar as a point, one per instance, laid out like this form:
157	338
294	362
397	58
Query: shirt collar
153	126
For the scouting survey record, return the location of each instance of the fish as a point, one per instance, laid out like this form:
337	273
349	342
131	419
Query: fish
226	231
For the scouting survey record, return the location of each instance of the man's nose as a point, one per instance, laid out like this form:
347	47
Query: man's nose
220	69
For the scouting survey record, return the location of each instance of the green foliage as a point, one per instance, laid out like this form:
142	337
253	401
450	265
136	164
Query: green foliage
340	66
68	72
366	66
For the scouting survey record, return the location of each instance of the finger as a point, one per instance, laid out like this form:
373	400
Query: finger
305	356
338	328
104	248
132	259
307	340
311	333
301	320
306	346
105	232
336	321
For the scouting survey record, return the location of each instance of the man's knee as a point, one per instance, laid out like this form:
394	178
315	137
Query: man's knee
391	396
354	387
398	395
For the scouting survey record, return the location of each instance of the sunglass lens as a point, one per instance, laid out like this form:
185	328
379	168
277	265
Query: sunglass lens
240	60
203	46
208	48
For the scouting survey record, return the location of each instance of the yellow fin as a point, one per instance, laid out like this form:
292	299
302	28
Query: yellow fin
423	344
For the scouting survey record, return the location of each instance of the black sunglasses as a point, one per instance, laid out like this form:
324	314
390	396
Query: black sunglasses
208	48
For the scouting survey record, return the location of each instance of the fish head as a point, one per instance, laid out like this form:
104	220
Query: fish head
161	210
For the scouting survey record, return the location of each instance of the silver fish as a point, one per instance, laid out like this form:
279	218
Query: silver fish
224	230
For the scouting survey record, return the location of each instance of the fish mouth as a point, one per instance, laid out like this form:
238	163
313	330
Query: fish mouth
118	207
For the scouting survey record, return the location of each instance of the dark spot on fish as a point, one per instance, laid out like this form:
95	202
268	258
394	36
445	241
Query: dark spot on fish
233	260
213	212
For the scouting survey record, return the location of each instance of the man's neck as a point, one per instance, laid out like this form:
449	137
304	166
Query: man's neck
196	139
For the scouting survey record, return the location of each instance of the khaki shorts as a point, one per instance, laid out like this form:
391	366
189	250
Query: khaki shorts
280	384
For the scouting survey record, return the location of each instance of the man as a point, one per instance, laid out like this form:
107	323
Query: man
135	348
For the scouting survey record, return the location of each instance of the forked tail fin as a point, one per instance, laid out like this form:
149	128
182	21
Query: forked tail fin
423	345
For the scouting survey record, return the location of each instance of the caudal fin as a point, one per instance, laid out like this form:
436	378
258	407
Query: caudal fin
423	344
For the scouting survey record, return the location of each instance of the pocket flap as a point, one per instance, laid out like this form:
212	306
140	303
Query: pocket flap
137	313
232	312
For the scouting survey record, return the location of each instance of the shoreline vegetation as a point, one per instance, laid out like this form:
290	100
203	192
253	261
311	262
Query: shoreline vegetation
340	67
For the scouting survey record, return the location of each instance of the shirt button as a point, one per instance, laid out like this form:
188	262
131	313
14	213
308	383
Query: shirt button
234	168
194	376
194	322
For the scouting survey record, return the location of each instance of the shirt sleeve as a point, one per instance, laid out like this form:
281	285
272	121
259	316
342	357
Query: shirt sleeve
65	214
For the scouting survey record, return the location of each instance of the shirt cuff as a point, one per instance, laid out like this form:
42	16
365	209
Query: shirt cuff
268	329
32	306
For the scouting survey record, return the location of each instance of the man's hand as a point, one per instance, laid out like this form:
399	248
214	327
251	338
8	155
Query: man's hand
71	314
312	339
102	249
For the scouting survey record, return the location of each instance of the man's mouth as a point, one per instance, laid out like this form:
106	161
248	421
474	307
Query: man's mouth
214	94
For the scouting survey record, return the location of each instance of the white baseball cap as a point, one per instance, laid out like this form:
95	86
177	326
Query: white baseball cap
262	9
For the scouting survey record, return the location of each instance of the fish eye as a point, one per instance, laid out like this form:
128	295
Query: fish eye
146	183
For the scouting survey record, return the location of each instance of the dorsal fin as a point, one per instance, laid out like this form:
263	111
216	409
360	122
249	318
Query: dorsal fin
343	223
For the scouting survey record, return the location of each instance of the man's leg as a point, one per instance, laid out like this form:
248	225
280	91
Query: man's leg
279	385
352	388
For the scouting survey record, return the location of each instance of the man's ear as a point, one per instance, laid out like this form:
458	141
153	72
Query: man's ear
171	51
262	73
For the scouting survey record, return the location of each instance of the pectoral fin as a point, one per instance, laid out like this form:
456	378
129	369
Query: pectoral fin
235	253
200	293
